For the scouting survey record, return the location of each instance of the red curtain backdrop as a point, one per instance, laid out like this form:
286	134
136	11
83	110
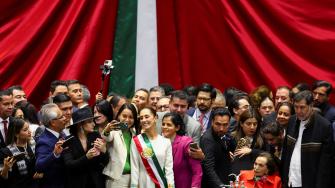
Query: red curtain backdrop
227	43
41	41
246	43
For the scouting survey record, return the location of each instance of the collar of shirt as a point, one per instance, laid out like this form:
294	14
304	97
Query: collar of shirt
56	134
198	113
7	119
304	123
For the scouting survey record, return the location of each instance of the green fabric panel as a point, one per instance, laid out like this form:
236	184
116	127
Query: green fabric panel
127	139
122	78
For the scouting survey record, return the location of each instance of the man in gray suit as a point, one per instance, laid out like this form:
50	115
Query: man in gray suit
178	104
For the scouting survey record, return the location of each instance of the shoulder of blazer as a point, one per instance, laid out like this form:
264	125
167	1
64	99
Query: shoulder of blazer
190	111
46	136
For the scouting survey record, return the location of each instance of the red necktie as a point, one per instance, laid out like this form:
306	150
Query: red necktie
201	120
5	122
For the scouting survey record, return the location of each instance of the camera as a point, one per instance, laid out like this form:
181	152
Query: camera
107	67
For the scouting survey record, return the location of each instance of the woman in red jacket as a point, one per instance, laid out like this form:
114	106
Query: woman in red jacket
264	174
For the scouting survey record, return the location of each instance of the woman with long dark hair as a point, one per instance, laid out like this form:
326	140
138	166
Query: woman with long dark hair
17	160
249	141
103	113
29	115
118	134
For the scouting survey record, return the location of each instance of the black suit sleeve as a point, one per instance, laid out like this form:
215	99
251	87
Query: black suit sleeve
324	175
208	147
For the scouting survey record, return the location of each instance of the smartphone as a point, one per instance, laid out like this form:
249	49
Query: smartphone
194	145
19	156
122	126
67	142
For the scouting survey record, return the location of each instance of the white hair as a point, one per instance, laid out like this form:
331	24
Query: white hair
48	113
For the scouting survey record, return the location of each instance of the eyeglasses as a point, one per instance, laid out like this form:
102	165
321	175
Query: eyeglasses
163	107
203	99
58	118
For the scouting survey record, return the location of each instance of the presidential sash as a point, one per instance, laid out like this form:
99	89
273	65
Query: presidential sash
150	161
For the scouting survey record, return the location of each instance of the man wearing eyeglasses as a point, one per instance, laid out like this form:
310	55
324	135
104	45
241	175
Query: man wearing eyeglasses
163	104
205	96
49	147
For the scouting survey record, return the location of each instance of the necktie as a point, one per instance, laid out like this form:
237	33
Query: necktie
5	127
62	135
201	120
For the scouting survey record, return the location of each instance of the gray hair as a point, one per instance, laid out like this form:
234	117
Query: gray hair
86	93
48	113
157	88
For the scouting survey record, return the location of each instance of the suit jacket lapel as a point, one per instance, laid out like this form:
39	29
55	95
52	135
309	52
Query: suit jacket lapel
2	141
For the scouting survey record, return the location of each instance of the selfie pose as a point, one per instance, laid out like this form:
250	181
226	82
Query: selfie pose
118	134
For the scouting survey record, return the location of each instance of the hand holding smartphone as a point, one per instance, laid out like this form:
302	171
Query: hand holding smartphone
123	126
20	156
67	142
194	146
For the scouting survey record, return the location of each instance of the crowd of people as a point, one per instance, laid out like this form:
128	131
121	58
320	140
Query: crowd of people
161	137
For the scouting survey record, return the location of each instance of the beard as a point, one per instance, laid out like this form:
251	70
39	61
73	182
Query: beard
203	108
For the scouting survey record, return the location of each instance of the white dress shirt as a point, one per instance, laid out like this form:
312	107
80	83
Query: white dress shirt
294	174
2	128
205	120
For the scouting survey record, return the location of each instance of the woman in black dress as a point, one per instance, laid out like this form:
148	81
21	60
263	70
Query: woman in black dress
85	154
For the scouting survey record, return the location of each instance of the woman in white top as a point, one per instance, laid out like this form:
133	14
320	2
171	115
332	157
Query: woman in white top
118	141
151	155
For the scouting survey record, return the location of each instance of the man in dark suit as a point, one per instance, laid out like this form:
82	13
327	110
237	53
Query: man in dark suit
49	148
307	155
217	146
205	96
6	110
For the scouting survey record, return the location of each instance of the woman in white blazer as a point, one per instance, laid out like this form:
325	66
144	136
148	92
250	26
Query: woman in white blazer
118	138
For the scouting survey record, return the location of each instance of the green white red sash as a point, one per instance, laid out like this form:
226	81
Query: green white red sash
150	161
